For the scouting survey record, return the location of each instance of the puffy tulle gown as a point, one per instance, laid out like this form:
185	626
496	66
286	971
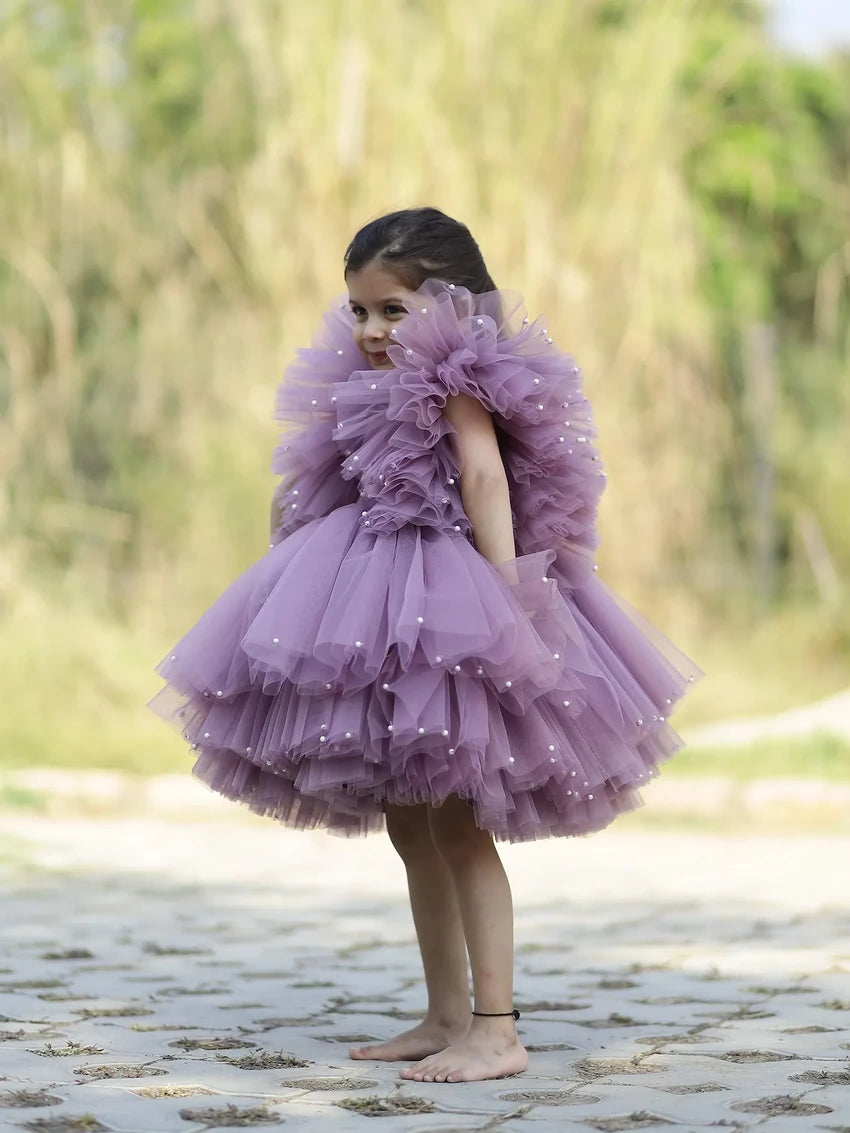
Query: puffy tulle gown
373	655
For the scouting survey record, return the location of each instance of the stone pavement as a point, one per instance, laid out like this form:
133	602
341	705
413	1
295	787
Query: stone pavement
161	975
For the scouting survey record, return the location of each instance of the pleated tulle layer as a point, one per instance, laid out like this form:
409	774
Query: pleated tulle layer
347	670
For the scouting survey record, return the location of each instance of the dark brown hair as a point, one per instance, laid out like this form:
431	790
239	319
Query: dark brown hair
418	244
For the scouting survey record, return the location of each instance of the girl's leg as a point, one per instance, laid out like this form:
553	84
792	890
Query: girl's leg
490	1049
439	931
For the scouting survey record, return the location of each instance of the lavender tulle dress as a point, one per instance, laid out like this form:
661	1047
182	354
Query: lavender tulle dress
373	655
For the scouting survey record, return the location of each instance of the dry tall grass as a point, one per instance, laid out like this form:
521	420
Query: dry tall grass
156	280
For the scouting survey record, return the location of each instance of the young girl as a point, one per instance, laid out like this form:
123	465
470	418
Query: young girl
426	646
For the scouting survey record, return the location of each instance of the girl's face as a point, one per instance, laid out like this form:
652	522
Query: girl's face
376	297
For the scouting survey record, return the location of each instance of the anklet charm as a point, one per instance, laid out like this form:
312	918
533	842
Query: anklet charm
493	1014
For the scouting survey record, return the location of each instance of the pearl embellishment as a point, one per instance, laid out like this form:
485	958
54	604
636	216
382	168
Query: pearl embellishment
275	641
420	619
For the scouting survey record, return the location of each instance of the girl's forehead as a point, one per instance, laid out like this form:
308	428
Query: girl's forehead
375	284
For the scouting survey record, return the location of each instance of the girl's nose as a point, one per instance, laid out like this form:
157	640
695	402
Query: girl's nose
374	330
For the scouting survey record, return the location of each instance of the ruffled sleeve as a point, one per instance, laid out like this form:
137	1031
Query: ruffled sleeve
485	346
307	457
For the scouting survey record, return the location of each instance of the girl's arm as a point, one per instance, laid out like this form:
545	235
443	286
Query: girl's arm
483	483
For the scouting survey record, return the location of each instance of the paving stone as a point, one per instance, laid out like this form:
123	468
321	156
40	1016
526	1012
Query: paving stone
237	958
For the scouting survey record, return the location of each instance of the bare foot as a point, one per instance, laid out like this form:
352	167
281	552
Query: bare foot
484	1053
420	1041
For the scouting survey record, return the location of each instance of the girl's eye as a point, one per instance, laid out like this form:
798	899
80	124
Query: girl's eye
394	309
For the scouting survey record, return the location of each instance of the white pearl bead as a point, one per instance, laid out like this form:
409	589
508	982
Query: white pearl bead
567	424
507	684
365	522
590	796
364	513
511	759
561	439
480	322
457	527
539	406
445	499
355	458
551	747
457	668
275	641
424	310
639	723
333	401
596	566
206	735
174	658
373	386
324	727
268	763
194	747
393	333
323	739
451	287
451	479
219	693
535	381
445	731
385	686
314	402
438	659
565	703
569	792
666	701
348	735
573	774
295	491
525	320
551	759
480	672
557	656
661	719
327	685
247	751
421	731
408	351
389	727
340	352
293	506
420	619
451	751
548	339
357	644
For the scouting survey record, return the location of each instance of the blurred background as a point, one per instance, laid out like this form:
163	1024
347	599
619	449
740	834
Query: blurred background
667	180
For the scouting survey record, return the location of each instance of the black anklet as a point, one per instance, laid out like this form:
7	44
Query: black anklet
493	1014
